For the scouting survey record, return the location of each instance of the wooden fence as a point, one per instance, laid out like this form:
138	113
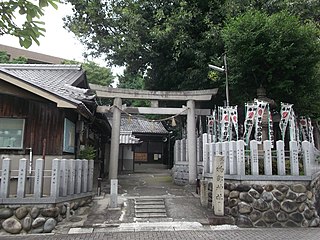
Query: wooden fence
69	179
253	161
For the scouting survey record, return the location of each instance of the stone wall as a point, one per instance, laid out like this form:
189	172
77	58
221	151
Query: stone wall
272	204
37	218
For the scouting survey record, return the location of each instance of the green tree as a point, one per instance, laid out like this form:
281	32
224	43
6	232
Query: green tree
31	28
169	42
95	74
277	52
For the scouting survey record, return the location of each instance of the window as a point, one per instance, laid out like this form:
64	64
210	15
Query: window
69	136
11	133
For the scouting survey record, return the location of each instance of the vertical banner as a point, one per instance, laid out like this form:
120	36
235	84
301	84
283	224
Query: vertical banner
233	113
225	124
303	122
261	106
270	127
310	129
249	121
285	115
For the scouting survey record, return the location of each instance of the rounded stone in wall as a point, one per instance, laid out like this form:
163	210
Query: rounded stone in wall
278	195
5	213
234	194
226	193
302	207
260	205
243	221
226	202
289	206
282	216
21	212
269	216
50	212
315	222
291	224
267	196
268	187
296	217
301	198
244	208
234	212
244	196
258	188
254	194
305	223
276	225
308	214
38	222
309	195
82	203
255	215
282	188
291	195
34	212
243	187
37	230
49	225
227	211
26	223
275	206
233	202
12	225
299	188
64	209
260	223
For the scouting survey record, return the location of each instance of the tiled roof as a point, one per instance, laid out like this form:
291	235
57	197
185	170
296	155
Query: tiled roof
56	79
140	125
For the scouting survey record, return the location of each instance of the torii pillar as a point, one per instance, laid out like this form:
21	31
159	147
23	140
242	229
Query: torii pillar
191	141
115	139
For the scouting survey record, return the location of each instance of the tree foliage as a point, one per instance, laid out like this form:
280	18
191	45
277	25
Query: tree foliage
95	74
277	52
170	43
31	28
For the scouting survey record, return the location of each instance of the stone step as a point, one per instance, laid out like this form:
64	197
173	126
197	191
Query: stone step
149	206
149	220
150	203
150	215
151	210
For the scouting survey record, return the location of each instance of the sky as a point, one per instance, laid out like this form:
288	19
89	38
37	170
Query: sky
57	41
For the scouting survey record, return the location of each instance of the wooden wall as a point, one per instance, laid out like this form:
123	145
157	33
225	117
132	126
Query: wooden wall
43	120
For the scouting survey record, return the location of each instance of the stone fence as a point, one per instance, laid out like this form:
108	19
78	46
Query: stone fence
253	162
68	179
29	203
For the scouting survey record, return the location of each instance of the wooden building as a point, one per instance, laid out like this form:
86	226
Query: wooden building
47	111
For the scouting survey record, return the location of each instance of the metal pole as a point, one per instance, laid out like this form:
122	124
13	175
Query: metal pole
226	72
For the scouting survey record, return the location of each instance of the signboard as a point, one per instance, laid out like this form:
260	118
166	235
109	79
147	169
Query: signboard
141	157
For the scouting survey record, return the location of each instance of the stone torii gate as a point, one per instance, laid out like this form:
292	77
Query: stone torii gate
154	96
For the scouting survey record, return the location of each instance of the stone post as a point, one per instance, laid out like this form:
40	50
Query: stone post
225	154
211	150
281	164
183	150
55	178
191	130
38	178
114	193
90	175
294	161
115	139
64	177
218	185
241	168
204	193
78	177
72	176
205	153
232	158
84	178
5	178
21	188
267	157
254	157
306	158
